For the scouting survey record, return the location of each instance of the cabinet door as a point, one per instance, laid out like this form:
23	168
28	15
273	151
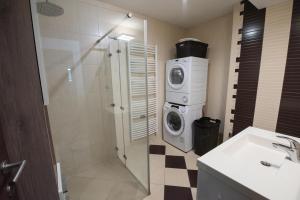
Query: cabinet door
210	188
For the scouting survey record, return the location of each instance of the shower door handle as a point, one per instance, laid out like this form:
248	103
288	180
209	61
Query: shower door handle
6	168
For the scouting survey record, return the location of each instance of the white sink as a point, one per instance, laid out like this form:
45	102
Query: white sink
252	150
241	158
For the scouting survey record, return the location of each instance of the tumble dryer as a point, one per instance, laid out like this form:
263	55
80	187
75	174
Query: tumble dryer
177	122
186	80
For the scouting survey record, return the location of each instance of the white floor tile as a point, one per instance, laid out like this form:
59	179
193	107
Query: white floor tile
156	139
177	177
107	181
194	193
191	162
170	150
157	169
192	153
107	171
90	189
157	192
127	190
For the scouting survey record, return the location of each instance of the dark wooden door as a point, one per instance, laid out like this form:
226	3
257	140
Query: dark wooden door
3	179
23	124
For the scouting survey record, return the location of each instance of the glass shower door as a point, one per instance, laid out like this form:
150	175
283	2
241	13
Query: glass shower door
130	99
86	68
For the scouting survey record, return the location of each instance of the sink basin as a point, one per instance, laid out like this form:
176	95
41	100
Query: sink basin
253	150
250	159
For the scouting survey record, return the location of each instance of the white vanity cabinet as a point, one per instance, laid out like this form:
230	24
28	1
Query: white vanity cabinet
213	185
249	166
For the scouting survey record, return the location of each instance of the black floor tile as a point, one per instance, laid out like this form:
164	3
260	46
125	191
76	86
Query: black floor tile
157	149
175	162
177	193
193	177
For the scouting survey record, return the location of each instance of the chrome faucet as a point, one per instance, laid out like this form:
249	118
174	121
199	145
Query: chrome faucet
293	150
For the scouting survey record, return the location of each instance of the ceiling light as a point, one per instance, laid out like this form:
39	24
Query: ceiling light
125	37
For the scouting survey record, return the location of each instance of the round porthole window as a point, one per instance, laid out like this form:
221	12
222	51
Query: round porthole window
176	76
174	122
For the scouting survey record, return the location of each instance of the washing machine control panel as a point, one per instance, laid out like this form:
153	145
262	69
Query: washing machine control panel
182	109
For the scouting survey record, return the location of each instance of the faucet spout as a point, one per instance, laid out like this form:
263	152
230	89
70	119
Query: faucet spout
293	150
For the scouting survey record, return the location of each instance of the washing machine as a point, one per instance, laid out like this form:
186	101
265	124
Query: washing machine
186	80
177	123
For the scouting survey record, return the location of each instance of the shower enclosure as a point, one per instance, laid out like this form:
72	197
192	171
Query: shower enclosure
84	62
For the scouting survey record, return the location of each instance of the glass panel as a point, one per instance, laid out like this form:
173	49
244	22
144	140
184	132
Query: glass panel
174	121
87	77
135	149
177	76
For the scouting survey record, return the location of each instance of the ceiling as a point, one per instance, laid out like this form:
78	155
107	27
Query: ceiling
265	3
183	13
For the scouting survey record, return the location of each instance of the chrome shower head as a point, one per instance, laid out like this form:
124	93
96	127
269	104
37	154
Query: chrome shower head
49	9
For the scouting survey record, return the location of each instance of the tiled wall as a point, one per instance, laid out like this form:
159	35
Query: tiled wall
81	118
237	23
269	85
249	66
274	54
289	110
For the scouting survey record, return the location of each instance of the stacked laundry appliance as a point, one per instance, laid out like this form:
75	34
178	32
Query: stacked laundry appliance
186	83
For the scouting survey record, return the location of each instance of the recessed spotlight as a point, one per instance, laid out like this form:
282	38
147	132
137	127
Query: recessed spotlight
125	37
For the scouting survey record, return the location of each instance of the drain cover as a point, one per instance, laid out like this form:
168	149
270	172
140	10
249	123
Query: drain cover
265	163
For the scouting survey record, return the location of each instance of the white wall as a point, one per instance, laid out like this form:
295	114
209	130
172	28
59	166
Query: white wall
217	33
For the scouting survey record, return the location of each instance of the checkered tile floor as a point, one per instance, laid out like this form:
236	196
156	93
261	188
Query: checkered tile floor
173	173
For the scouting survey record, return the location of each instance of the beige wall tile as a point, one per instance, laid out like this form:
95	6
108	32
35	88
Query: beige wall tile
88	19
273	62
232	75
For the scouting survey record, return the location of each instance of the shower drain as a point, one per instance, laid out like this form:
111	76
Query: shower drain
265	163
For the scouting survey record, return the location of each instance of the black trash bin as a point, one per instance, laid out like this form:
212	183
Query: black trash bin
206	134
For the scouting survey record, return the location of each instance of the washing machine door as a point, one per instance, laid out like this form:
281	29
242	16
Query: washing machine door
176	78
174	122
